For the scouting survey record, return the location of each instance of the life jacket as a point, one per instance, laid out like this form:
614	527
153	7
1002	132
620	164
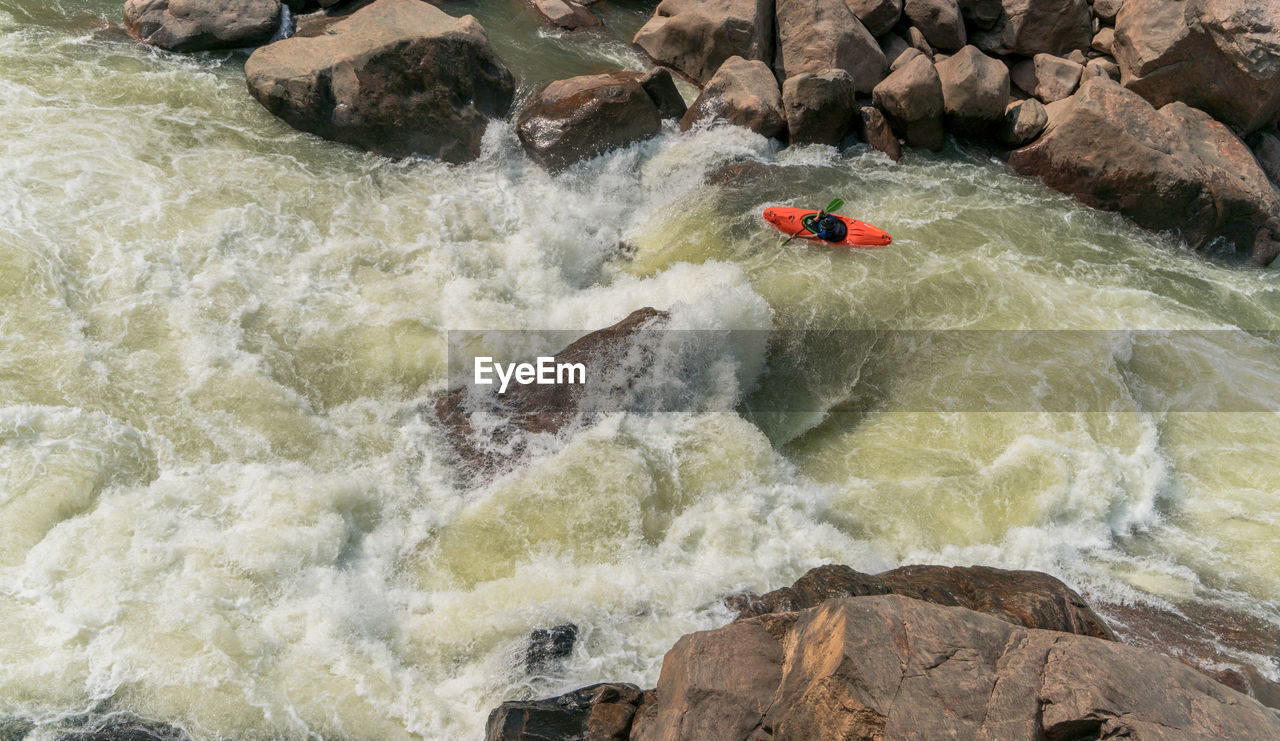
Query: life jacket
829	229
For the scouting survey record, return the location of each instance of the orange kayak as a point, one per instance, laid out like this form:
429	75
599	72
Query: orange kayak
793	222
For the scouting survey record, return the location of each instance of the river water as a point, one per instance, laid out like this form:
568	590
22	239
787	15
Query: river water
223	505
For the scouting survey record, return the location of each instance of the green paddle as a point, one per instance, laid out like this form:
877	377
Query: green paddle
837	203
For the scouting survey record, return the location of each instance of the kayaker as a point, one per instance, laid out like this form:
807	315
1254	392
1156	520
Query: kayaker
831	229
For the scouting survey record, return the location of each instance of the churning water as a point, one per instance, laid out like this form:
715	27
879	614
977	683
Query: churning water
223	504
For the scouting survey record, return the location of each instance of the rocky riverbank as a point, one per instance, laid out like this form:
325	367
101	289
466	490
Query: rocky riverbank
917	652
1143	107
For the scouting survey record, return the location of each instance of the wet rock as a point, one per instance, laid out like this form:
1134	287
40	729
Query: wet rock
15	729
819	107
397	77
893	667
197	25
981	14
567	121
975	91
1024	121
1103	41
121	727
661	88
1106	10
1221	56
1100	67
566	14
939	22
1266	148
818	35
741	173
1175	168
547	645
1046	77
601	712
743	92
879	16
694	37
1266	248
877	132
544	409
1028	27
819	584
911	98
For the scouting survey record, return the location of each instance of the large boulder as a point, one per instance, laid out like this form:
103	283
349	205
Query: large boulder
196	25
879	16
1175	168
694	37
819	106
981	14
566	14
889	666
1047	78
567	121
743	92
658	83
1028	27
1221	56
938	20
1107	10
1024	121
397	77
818	35
975	91
911	99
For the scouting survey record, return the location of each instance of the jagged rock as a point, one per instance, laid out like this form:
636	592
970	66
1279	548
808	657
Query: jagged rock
567	121
197	25
879	16
1175	168
893	46
694	37
1221	56
661	88
549	644
1046	77
981	14
975	91
1028	27
905	57
819	107
1024	120
939	22
877	133
911	99
601	712
743	92
566	14
818	35
894	667
1106	10
1103	41
397	77
919	42
608	353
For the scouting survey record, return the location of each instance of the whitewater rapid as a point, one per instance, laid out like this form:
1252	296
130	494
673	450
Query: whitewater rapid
226	505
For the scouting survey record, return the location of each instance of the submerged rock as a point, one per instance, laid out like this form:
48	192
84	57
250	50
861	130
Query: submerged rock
567	121
911	98
889	666
1175	168
743	92
601	712
695	37
550	644
197	25
398	77
1221	56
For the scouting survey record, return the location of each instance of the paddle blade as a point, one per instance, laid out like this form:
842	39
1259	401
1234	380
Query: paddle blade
837	203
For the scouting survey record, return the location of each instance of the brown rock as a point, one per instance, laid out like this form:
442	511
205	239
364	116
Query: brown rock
1028	27
877	133
743	92
196	25
1106	10
1100	67
1046	77
397	77
975	91
981	14
601	712
1024	121
911	99
1103	41
919	42
661	88
879	16
1221	56
904	57
567	121
1266	148
938	20
819	107
1175	168
566	14
694	37
893	46
818	35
